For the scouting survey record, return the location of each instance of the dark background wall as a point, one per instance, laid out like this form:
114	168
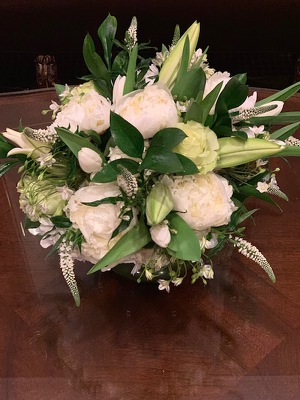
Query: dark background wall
261	37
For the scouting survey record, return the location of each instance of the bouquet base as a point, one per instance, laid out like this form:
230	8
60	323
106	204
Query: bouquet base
124	270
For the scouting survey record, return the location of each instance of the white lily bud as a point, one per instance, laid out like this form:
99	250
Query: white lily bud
26	145
170	68
234	151
89	160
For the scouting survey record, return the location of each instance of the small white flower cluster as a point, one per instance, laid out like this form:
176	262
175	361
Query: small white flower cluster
151	74
127	182
65	192
131	36
164	284
47	135
292	141
67	267
201	270
252	252
160	58
197	56
271	188
46	160
64	95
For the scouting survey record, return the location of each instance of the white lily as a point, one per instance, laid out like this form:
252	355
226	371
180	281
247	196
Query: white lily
26	144
170	68
118	89
234	151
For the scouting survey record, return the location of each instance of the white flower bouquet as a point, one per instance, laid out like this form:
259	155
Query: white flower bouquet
150	161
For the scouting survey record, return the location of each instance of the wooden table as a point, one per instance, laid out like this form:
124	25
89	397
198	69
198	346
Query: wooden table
236	339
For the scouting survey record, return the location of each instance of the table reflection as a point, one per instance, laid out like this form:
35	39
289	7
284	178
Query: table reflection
237	338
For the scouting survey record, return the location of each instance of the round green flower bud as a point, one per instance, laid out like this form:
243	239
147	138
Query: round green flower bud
158	204
201	145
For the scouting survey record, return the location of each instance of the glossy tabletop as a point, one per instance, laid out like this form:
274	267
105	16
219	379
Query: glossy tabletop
238	338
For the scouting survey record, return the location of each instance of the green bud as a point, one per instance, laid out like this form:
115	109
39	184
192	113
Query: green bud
39	197
234	151
158	204
170	68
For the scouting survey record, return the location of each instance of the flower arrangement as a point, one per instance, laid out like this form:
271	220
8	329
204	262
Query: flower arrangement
150	161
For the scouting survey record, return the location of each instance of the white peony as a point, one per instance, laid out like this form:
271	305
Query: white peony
118	88
96	223
149	110
90	111
202	200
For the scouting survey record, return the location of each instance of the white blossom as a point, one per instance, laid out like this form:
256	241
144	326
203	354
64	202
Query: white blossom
149	110
89	160
96	223
164	285
202	200
160	234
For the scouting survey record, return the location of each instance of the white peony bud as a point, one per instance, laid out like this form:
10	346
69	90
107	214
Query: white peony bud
89	160
161	235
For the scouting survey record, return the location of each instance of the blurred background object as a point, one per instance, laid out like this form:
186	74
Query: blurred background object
260	38
46	71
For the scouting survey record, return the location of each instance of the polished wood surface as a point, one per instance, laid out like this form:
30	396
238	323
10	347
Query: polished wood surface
236	339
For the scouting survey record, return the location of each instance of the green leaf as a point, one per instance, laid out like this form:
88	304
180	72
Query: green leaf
188	166
93	61
106	200
289	151
20	126
130	76
251	191
75	142
28	224
132	241
226	131
61	222
246	215
194	112
126	136
185	59
168	137
5	167
184	244
189	86
209	101
282	95
242	78
285	132
280	119
5	147
161	159
107	32
59	89
102	87
232	96
111	170
94	136
120	63
123	225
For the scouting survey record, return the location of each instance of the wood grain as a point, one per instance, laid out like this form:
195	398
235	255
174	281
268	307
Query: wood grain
236	339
